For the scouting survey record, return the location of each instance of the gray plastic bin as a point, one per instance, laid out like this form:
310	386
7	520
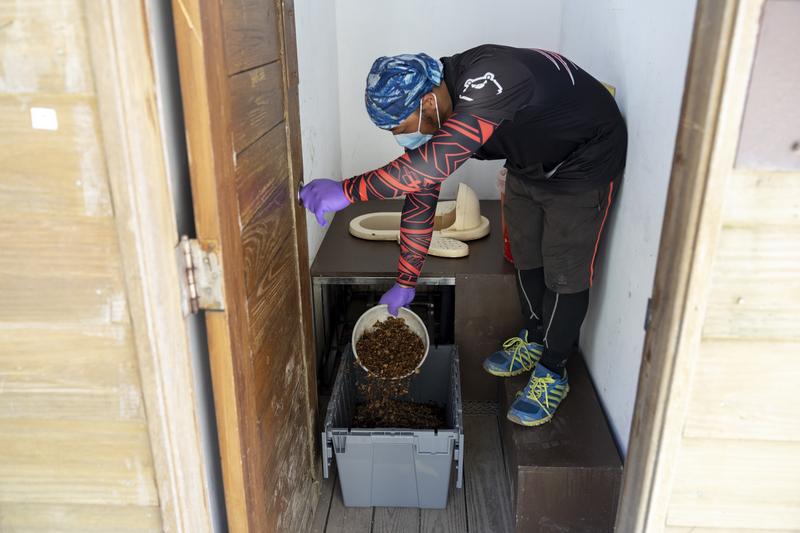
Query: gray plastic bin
400	467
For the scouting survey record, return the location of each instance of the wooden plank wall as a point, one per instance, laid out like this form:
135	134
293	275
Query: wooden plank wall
738	465
74	446
739	459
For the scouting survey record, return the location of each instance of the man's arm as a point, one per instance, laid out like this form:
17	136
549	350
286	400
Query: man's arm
422	168
419	174
416	228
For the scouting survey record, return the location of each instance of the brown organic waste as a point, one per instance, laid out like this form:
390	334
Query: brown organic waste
392	413
390	350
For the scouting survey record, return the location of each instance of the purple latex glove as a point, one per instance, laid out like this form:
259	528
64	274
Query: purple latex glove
397	297
322	196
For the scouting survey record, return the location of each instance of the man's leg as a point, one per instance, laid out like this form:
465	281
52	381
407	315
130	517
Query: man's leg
530	283
572	227
574	224
524	218
563	315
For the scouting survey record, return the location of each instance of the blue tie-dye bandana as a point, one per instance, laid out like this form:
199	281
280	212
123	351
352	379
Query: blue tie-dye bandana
396	84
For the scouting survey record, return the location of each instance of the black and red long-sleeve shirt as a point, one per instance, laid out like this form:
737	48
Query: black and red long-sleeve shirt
550	120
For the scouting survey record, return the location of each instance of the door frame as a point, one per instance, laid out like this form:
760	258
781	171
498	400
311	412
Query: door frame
721	55
124	71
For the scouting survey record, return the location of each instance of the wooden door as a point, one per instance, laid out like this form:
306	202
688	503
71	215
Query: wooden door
238	78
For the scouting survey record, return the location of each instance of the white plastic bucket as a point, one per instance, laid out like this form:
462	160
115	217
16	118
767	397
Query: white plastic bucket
381	312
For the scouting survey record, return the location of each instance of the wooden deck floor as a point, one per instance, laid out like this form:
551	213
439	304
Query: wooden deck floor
483	505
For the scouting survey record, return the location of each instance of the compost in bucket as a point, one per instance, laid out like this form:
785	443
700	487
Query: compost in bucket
390	352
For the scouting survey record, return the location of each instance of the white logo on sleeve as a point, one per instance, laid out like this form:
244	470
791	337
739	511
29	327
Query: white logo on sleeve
479	83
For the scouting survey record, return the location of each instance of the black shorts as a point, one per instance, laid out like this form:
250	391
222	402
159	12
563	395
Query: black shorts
557	230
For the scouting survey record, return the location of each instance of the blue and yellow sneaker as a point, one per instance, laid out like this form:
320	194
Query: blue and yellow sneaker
517	356
538	401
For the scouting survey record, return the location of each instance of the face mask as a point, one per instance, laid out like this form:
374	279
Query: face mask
409	141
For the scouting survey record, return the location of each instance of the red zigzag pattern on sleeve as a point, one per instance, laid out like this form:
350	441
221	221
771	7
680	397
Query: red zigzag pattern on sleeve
418	174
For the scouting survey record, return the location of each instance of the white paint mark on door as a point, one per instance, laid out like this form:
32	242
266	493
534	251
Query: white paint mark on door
44	118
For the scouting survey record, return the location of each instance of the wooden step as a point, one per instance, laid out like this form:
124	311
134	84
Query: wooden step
566	474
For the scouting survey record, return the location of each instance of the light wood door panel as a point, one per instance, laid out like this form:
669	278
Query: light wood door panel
238	79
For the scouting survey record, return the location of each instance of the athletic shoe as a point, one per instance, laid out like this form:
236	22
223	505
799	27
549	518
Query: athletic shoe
538	401
517	356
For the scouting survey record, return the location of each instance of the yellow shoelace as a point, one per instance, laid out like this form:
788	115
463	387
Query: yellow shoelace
539	390
519	351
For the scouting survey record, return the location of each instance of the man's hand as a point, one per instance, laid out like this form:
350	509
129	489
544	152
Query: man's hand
397	297
322	196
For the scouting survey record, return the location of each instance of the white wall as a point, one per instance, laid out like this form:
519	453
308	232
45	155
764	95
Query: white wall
642	48
367	29
319	99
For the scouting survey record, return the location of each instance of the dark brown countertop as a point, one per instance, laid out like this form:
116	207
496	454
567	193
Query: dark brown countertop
343	256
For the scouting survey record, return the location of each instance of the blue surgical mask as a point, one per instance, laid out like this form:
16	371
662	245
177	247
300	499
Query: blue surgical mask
409	141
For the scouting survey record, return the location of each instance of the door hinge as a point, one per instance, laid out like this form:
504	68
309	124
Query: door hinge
200	272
